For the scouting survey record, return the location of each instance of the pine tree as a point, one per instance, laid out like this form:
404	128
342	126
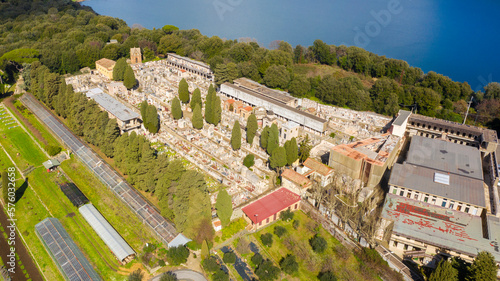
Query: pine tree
483	268
183	91
196	99
111	133
119	69
129	78
273	140
236	136
224	207
444	272
176	109
197	118
264	135
252	127
292	151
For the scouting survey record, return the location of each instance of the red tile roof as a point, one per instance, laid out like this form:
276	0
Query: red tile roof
270	204
230	101
296	178
248	108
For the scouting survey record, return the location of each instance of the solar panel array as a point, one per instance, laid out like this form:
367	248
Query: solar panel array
149	215
64	251
74	194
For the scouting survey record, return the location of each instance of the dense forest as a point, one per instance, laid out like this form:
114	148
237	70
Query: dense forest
65	37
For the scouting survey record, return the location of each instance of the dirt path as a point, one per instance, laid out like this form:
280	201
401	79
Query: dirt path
21	251
9	102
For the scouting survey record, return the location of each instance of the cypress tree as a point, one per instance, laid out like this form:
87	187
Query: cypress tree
264	135
444	272
152	117
292	151
224	207
129	78
196	99
217	111
143	106
273	139
209	104
197	119
204	250
183	91
483	268
251	128
176	109
119	69
236	136
278	158
111	133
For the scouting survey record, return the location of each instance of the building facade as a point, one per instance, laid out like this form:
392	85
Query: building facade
105	67
135	55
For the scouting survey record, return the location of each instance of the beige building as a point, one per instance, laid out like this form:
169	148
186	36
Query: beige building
135	55
105	67
367	160
295	182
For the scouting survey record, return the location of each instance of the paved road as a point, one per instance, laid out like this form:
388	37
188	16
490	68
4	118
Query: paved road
185	274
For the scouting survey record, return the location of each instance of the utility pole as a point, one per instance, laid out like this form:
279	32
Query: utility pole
467	112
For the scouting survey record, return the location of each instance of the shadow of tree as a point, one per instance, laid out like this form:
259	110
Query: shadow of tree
21	190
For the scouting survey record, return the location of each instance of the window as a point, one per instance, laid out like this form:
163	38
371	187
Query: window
260	223
394	190
452	204
467	208
267	220
459	207
426	199
395	243
408	194
433	199
444	203
296	205
405	247
415	196
402	192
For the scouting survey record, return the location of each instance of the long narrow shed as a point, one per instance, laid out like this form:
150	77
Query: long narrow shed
123	252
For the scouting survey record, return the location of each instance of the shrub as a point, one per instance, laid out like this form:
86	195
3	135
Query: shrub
233	228
210	264
267	239
318	244
249	160
53	149
257	259
327	276
332	135
177	255
279	231
220	275
286	215
267	271
161	263
229	257
289	265
193	245
296	224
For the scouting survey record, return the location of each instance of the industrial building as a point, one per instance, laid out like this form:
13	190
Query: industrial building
122	251
63	250
282	104
367	160
268	208
189	65
126	118
443	198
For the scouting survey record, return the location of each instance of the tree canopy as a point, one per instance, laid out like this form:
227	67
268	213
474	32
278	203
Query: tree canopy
236	136
224	207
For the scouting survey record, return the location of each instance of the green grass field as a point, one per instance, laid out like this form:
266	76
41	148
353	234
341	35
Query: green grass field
49	138
296	242
23	150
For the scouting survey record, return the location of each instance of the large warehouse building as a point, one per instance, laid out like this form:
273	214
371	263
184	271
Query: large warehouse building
279	102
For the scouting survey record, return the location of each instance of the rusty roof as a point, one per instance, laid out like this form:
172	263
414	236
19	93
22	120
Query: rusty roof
296	178
318	166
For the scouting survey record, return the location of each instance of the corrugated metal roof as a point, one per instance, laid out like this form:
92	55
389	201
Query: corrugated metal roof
442	227
445	156
108	234
179	240
64	252
464	189
118	109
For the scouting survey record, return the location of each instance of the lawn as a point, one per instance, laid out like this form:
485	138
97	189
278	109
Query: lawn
49	138
4	161
335	258
21	147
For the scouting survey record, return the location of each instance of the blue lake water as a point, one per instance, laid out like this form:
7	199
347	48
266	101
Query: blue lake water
460	39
